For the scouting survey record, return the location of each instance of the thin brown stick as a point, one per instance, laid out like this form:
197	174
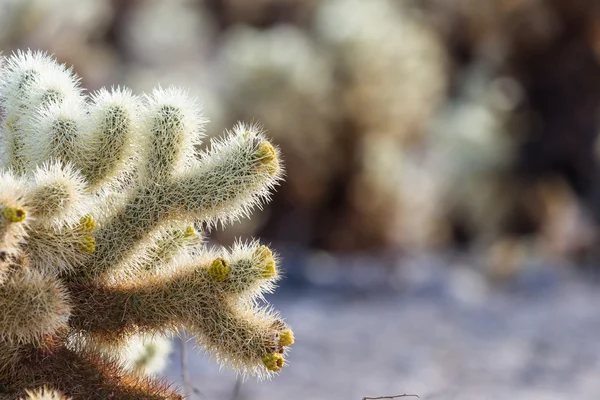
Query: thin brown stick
237	389
185	374
391	397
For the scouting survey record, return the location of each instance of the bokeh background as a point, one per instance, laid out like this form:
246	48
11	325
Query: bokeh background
439	224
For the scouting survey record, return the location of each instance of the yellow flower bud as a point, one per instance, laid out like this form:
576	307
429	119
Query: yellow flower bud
265	257
263	253
286	338
273	361
269	270
14	214
189	232
87	244
87	223
267	156
219	270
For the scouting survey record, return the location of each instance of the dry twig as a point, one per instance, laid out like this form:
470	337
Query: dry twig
391	397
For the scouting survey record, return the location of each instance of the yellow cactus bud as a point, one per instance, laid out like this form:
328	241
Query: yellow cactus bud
263	253
219	270
286	338
273	361
268	157
269	270
189	232
265	257
14	214
87	244
87	223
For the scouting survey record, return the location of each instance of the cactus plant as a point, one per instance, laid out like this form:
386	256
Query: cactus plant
44	394
390	90
103	202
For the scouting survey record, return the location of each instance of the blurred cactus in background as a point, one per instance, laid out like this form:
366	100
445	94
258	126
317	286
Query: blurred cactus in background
102	196
548	50
71	28
391	88
476	138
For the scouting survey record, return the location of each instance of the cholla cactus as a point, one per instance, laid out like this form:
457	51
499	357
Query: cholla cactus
391	90
101	200
474	139
44	394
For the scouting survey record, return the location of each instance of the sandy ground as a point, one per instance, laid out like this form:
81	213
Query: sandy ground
437	332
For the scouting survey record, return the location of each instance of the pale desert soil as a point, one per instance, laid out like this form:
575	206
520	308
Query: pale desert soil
443	333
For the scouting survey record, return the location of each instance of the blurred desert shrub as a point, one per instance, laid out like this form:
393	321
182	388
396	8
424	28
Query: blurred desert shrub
404	124
390	193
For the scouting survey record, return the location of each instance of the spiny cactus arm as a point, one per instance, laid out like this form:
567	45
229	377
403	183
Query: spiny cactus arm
30	82
232	328
40	219
173	127
10	357
33	306
81	375
16	78
235	175
112	137
160	252
248	269
57	195
164	249
44	394
61	250
55	132
243	338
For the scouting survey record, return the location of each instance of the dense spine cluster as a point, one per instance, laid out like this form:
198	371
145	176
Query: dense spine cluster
102	205
44	394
